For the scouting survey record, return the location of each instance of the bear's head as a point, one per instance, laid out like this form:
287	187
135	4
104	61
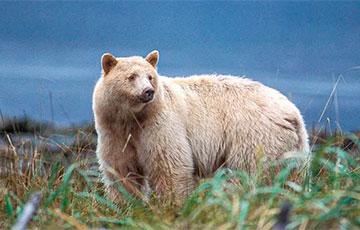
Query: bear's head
127	85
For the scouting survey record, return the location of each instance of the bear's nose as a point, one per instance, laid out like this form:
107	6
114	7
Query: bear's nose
147	95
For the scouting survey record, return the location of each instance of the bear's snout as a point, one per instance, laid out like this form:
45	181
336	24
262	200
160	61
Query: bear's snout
147	95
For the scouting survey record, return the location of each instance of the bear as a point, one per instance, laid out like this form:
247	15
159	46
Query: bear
160	134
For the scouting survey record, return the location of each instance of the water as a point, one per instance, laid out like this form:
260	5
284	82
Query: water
68	101
50	55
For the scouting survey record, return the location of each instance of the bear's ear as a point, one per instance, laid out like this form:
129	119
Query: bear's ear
153	58
108	62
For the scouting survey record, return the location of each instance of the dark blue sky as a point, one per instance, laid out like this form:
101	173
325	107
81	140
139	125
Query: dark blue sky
60	41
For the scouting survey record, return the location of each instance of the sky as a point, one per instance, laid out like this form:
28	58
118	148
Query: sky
300	48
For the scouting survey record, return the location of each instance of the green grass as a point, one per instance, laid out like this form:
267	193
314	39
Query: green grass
326	195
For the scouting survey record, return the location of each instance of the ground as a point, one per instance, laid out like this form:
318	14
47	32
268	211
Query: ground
326	195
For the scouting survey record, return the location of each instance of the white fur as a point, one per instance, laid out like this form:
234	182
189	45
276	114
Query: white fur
192	127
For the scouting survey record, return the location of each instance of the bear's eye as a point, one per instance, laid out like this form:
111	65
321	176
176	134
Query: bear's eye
150	77
132	77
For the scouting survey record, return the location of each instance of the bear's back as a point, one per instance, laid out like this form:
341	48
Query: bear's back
225	115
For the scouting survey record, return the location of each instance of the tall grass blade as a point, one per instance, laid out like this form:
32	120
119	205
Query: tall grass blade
8	206
63	187
101	200
243	214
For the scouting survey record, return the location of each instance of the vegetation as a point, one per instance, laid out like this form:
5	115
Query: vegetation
325	195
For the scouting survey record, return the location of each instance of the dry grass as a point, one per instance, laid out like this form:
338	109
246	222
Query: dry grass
326	195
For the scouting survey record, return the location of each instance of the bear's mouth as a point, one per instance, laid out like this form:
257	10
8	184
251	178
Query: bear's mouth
139	101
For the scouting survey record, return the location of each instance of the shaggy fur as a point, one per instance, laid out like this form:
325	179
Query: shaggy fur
191	127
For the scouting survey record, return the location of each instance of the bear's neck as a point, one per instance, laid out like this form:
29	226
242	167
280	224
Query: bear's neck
151	110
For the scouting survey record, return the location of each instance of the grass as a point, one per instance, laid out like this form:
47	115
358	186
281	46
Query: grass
326	195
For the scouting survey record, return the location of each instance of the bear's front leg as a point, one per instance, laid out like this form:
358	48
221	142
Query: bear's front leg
120	167
170	167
